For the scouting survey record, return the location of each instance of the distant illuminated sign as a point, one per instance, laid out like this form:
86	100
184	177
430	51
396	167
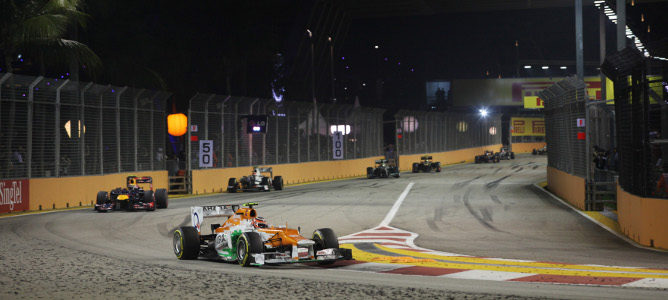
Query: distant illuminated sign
256	124
533	102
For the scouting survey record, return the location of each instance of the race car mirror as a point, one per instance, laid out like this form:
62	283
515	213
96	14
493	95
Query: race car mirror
256	124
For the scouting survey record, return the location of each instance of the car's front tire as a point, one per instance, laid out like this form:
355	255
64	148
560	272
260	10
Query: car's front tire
148	198
101	199
325	238
278	183
249	243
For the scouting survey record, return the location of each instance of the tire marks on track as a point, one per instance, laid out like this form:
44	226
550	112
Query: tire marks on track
483	216
492	184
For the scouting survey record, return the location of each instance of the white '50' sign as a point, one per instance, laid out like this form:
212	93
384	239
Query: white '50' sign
205	153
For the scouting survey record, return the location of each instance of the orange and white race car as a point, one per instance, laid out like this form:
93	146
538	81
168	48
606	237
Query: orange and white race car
246	238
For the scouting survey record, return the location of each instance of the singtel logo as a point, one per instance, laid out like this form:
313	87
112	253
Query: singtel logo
10	194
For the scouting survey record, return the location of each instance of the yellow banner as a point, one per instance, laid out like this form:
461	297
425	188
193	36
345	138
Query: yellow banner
533	102
527	126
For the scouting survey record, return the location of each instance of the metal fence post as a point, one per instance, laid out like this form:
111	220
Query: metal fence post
206	116
189	142
118	128
264	141
316	112
222	131
57	126
152	130
276	118
299	148
287	133
101	132
236	134
82	140
31	95
134	130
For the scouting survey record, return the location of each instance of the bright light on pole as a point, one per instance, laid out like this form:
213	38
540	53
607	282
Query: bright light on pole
483	112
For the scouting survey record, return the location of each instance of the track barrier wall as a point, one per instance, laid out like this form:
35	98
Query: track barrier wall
643	219
64	192
527	147
567	186
215	180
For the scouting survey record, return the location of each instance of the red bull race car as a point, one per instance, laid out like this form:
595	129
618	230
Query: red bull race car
133	197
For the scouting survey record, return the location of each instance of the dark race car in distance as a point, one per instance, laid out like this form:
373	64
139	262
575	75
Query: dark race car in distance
133	197
505	154
487	157
382	169
426	165
540	151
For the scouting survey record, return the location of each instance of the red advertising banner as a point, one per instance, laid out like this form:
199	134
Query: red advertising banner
14	195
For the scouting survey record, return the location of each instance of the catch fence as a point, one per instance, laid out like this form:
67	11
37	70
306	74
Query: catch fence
294	132
54	127
641	97
429	132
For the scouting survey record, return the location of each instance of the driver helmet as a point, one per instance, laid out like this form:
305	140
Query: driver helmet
256	171
259	222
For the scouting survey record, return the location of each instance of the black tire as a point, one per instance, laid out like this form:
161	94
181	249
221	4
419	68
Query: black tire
325	238
278	183
186	242
534	152
265	182
249	243
512	155
416	168
384	173
161	198
101	199
148	198
477	160
232	185
369	172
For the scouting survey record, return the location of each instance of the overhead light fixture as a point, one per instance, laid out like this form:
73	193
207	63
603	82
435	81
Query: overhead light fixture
483	112
544	67
562	67
527	67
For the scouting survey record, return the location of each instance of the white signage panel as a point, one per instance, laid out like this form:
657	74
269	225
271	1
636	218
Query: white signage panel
337	144
205	153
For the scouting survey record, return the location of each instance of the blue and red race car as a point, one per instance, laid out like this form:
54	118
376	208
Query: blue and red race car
133	197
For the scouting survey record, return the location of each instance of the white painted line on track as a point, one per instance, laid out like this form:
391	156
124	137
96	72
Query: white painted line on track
488	275
374	267
649	283
395	207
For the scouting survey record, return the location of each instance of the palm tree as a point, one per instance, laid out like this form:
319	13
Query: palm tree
38	28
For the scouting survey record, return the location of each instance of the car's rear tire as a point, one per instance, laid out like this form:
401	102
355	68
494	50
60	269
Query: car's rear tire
232	185
438	167
161	198
325	238
249	243
416	168
101	199
186	242
278	183
477	160
369	172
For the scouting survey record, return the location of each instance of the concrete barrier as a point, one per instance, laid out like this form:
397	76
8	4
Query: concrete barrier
63	192
215	180
527	147
569	187
447	157
643	219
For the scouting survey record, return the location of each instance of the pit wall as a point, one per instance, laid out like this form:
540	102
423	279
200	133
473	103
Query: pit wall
643	219
568	187
77	191
527	147
215	180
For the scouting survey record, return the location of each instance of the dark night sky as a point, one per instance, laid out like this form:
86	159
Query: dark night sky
186	47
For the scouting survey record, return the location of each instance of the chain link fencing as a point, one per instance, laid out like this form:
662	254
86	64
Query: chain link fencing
429	132
641	94
54	127
295	132
564	104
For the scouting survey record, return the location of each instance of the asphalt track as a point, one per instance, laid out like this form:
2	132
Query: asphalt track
486	210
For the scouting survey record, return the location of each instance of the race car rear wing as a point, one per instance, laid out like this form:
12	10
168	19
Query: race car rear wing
198	213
